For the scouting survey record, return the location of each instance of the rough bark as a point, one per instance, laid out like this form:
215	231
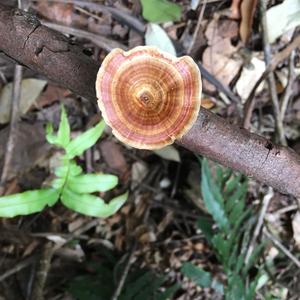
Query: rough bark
48	52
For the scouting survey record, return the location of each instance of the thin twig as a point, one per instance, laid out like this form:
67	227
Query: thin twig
282	248
79	231
265	205
20	266
287	95
283	54
219	86
271	77
98	40
250	103
125	274
284	210
279	57
198	26
42	271
16	93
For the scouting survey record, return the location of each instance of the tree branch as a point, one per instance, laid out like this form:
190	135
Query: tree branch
48	52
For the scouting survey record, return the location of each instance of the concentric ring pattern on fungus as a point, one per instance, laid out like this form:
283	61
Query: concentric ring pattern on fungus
148	97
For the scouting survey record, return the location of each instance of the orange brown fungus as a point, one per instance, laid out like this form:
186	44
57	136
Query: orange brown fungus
148	97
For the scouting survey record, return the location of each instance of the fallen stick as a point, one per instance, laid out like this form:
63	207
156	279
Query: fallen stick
50	53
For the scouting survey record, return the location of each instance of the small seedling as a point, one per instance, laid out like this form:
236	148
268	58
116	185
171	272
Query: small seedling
70	185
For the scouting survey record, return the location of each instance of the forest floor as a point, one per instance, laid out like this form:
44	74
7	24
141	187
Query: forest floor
156	246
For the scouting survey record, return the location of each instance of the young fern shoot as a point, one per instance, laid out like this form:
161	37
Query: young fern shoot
71	186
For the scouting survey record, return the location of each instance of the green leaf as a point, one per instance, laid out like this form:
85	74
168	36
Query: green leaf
212	197
63	134
62	138
236	289
234	233
86	140
158	11
90	183
231	185
238	195
91	205
58	183
222	247
239	262
196	274
133	288
206	227
214	189
168	293
27	202
257	251
236	212
250	292
69	168
50	137
149	290
219	177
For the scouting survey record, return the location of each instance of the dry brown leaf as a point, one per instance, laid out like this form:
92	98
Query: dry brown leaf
249	76
165	222
248	8
29	150
219	58
207	103
51	94
219	29
135	39
101	25
31	248
120	30
60	13
114	157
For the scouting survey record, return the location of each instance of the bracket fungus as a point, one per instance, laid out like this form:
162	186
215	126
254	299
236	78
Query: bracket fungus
148	97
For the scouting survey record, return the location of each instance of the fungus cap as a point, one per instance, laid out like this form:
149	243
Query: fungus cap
148	97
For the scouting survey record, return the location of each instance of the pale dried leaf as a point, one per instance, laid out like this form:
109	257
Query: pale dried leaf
139	171
169	153
220	61
57	239
156	36
195	4
282	17
249	76
296	229
73	254
30	91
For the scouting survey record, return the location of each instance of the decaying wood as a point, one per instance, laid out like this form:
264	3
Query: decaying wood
48	52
